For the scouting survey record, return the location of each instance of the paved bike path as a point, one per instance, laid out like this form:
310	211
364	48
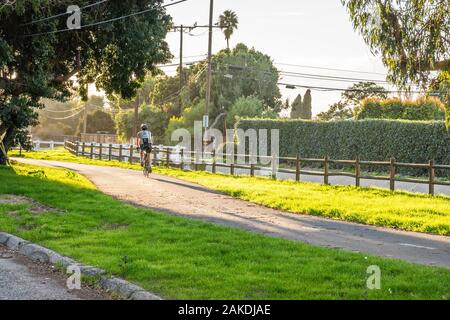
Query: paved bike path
183	198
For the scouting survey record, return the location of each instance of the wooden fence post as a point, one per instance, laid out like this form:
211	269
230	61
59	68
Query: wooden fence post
130	159
120	152
182	159
252	169
77	147
325	170
213	154
392	174
92	150
357	172
110	152
83	146
297	168
100	153
431	177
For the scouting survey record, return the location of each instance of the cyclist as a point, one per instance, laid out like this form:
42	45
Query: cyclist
144	141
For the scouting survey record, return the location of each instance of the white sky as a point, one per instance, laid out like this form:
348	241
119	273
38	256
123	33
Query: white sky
306	32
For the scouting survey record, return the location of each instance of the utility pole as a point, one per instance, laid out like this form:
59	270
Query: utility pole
181	68
208	75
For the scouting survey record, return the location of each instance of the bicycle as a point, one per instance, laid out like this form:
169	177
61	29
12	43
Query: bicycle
147	167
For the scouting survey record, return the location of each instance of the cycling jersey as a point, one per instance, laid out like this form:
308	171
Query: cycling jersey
145	137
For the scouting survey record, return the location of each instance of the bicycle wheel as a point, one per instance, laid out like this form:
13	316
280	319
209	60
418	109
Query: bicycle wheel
147	166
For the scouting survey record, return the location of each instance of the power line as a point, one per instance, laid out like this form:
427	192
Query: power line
329	78
293	86
104	21
62	14
62	111
187	57
177	64
64	118
173	95
330	69
317	77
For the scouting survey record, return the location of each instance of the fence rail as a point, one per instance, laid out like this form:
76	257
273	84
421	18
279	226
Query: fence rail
193	160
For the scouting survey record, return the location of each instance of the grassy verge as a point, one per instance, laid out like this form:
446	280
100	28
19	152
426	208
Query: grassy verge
186	259
380	207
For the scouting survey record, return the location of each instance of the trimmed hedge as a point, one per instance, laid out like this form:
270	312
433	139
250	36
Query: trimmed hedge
395	108
376	140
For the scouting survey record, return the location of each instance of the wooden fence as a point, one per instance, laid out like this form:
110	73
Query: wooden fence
186	159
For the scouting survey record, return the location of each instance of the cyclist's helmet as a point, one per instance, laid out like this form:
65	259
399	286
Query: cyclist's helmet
144	126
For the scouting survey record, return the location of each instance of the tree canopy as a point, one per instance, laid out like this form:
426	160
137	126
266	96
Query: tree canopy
243	72
411	36
306	110
38	59
296	107
351	99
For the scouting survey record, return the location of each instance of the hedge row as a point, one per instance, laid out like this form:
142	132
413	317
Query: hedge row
420	109
375	140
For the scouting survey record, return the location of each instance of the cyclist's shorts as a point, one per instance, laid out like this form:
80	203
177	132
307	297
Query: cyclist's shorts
146	147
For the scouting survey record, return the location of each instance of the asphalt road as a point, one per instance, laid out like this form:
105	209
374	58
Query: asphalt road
23	279
190	200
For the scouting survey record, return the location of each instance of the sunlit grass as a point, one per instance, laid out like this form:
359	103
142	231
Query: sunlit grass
188	259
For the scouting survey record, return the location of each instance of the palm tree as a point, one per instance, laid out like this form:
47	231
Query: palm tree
230	20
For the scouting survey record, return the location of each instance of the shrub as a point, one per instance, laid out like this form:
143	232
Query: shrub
420	109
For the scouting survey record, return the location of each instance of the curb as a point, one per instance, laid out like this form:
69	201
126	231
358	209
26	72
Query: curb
122	288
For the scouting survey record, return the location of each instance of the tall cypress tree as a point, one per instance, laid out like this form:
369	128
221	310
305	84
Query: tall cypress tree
306	109
296	107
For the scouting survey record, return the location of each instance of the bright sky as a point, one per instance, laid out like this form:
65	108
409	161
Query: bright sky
304	32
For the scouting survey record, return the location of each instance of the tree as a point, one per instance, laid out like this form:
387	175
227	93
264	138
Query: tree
154	116
230	20
186	121
441	87
242	72
362	90
247	107
37	60
412	36
306	109
238	73
57	119
336	111
296	107
351	99
98	121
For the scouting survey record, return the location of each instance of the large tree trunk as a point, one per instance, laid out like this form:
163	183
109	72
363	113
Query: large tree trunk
7	141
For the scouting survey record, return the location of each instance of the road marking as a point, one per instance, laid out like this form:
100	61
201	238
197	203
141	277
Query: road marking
415	246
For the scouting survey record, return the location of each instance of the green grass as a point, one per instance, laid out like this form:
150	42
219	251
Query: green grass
373	206
187	259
